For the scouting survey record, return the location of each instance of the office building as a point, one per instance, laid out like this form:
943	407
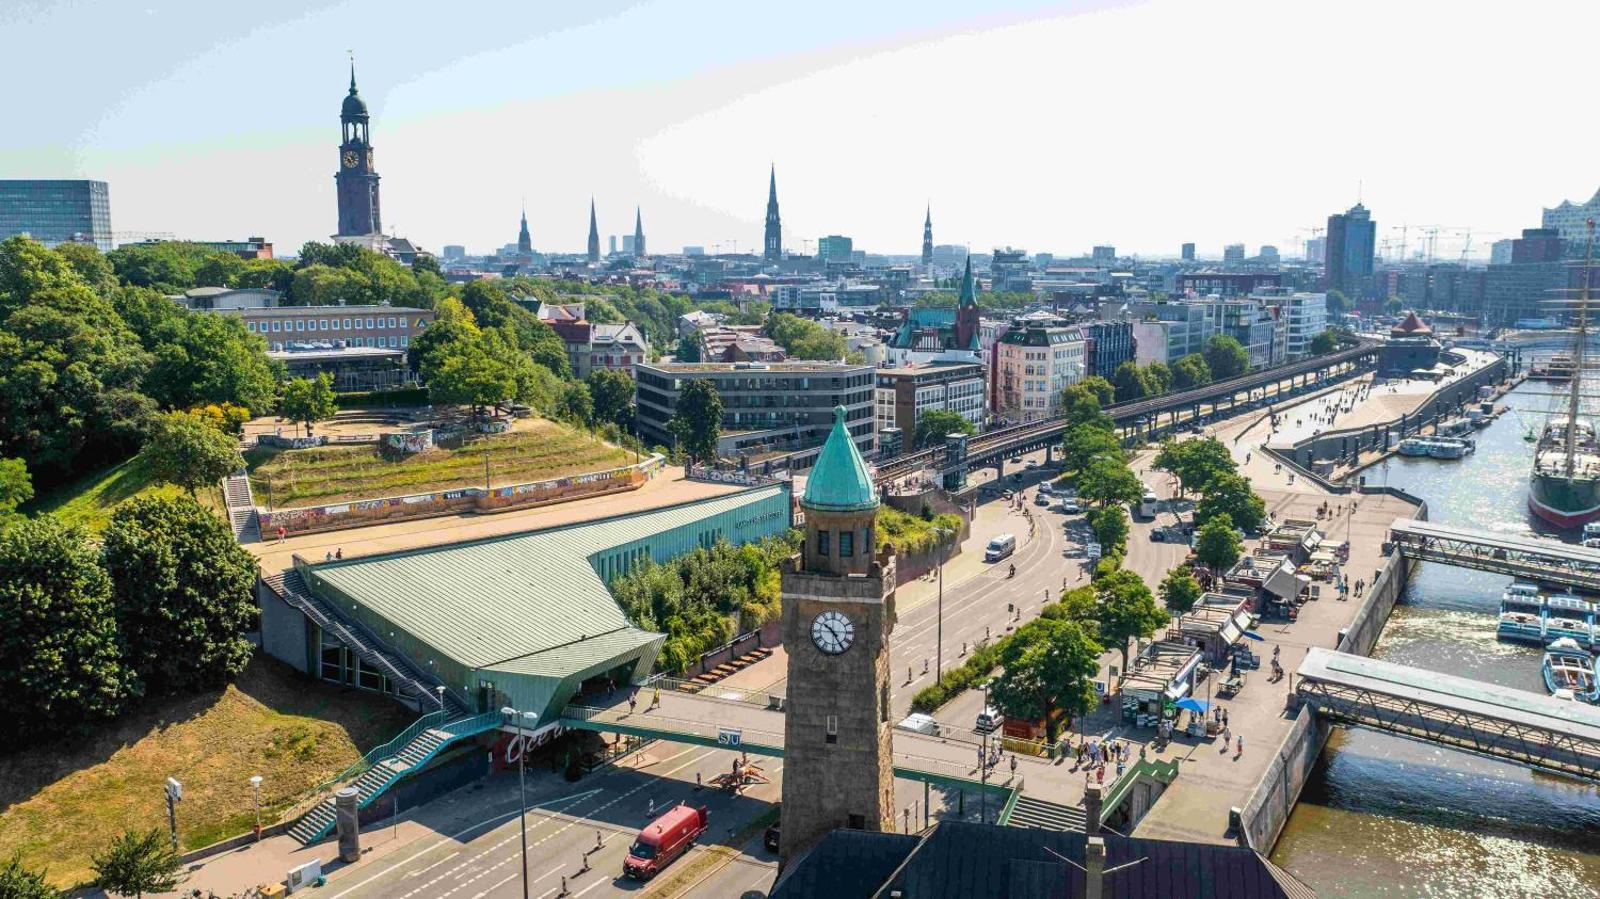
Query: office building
1352	237
1304	316
775	410
905	394
1110	343
1570	221
452	252
1317	250
835	248
1537	245
1226	284
1033	364
1166	332
1233	254
1010	272
55	212
1104	255
1268	255
361	347
1500	252
1188	252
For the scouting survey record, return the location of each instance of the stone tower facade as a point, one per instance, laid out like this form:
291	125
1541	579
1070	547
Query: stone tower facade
524	239
638	234
357	179
772	246
927	238
594	234
838	614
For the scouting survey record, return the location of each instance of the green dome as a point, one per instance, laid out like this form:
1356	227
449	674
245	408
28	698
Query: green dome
354	106
840	481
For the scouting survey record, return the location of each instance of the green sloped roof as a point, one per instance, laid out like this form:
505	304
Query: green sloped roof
840	481
518	597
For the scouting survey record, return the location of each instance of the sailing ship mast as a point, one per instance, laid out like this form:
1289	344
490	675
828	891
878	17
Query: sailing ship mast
1578	353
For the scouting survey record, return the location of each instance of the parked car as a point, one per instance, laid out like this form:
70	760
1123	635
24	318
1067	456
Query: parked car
988	720
918	723
663	840
1042	499
1071	507
770	838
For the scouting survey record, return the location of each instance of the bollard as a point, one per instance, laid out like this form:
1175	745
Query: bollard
564	890
584	869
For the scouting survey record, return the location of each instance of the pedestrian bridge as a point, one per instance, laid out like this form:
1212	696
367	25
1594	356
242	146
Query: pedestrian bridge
736	722
1515	725
1542	561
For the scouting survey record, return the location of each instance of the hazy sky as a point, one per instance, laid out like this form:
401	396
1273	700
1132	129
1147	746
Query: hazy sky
1046	126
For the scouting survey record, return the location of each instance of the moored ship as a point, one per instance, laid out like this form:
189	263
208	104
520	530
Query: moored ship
1564	486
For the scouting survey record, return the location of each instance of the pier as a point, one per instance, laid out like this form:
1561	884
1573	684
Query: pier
1547	562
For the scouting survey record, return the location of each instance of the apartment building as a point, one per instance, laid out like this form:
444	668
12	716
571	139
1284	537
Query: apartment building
1033	364
904	395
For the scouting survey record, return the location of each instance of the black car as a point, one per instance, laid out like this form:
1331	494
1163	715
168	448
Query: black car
770	838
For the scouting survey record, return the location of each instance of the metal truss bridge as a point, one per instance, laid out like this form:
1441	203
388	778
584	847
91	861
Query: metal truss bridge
1541	561
1514	725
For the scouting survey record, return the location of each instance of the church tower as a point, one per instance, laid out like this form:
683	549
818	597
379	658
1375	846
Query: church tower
357	179
524	240
927	237
838	612
772	248
967	312
638	234
594	234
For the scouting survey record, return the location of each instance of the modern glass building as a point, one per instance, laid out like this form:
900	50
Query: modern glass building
54	212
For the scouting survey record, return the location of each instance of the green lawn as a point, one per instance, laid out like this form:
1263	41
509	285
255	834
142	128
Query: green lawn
330	474
90	500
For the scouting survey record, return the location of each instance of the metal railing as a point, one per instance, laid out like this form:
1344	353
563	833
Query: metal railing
1011	804
1166	772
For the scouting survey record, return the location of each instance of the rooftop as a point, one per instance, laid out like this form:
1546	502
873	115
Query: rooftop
778	368
840	481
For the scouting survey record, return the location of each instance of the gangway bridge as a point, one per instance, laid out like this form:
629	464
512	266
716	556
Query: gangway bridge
1514	725
1535	559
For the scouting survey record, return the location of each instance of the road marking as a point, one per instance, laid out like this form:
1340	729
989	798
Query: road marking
421	871
495	886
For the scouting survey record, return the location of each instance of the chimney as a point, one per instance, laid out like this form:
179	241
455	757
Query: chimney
1094	857
1093	797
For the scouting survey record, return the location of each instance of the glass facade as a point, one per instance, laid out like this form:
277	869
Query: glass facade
54	212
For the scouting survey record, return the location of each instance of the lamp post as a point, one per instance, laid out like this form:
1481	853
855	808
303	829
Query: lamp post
255	784
440	690
522	790
938	652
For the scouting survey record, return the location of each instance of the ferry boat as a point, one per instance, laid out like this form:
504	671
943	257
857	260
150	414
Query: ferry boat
1455	427
1568	617
1564	486
1591	535
1521	614
1448	448
1568	667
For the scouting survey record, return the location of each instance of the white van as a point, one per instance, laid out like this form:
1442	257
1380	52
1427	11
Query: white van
1000	547
916	722
1147	504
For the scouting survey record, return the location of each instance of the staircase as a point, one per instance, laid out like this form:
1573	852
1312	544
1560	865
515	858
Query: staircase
1032	812
383	766
407	679
241	507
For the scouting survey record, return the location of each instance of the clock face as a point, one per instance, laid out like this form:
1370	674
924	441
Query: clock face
832	632
350	159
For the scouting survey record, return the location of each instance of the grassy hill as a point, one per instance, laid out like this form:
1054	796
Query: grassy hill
90	500
328	474
63	800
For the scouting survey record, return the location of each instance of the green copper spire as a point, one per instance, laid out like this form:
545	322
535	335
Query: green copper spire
840	482
969	295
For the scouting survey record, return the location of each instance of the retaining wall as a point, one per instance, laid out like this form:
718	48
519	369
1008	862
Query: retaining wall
1269	806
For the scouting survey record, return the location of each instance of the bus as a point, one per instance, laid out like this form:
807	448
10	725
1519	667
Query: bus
1147	504
1000	547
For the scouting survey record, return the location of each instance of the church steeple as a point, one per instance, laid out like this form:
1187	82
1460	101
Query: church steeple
967	311
638	234
524	240
927	237
357	177
594	234
773	245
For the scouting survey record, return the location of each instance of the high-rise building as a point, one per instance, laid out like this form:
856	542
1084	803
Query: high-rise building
594	234
772	243
1104	255
55	212
835	247
524	240
452	252
1268	254
1500	252
1188	252
638	234
1317	250
1537	245
927	237
1352	237
357	179
1233	254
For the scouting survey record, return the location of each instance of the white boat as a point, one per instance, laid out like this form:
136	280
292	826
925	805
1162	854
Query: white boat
1414	446
1447	448
1568	617
1521	614
1591	535
1569	667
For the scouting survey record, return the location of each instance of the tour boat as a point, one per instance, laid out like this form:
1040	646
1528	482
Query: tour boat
1448	448
1567	617
1568	666
1414	446
1521	614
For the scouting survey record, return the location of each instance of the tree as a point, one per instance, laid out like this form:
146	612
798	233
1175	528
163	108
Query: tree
1191	371
137	863
92	267
16	487
20	882
1127	610
932	427
219	270
61	667
697	423
1049	664
1324	343
1106	480
1157	378
1338	303
688	349
188	450
574	404
803	339
1226	357
611	392
467	374
1130	382
1217	544
1077	604
309	400
1180	591
1195	462
1110	526
184	591
1229	495
203	357
1393	306
1080	405
1101	388
1086	442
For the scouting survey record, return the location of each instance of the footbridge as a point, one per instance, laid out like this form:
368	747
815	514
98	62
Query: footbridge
1137	417
1514	725
1535	559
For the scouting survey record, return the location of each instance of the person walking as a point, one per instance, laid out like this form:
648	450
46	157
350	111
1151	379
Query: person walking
1241	747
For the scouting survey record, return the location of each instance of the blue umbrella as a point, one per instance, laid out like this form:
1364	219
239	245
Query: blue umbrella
1253	635
1198	706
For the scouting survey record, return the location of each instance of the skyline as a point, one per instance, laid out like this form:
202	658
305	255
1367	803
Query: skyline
463	133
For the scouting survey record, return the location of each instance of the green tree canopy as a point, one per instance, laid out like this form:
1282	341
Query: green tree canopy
697	423
1195	462
1086	442
1338	303
1393	306
184	591
1101	388
1191	371
1127	611
1157	377
1110	526
932	426
1081	404
1226	357
1217	544
61	667
805	339
1180	591
203	357
611	392
18	881
1130	382
188	450
1324	343
1229	495
309	400
1048	664
16	486
574	403
1107	480
168	266
138	863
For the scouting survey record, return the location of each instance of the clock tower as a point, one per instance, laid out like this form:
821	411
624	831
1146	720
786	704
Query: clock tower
838	611
357	179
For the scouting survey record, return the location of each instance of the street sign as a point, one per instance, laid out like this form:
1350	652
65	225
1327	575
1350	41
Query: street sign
174	789
727	736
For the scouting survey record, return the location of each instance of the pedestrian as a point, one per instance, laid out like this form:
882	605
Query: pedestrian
1100	774
328	557
281	533
338	553
1241	746
632	704
1013	765
1226	738
1224	716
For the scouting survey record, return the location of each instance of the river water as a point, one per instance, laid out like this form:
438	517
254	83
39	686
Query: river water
1385	816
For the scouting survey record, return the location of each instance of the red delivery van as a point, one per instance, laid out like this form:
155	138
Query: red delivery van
663	840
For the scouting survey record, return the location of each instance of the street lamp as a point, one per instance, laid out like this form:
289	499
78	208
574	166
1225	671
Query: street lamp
522	789
255	784
440	690
938	651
